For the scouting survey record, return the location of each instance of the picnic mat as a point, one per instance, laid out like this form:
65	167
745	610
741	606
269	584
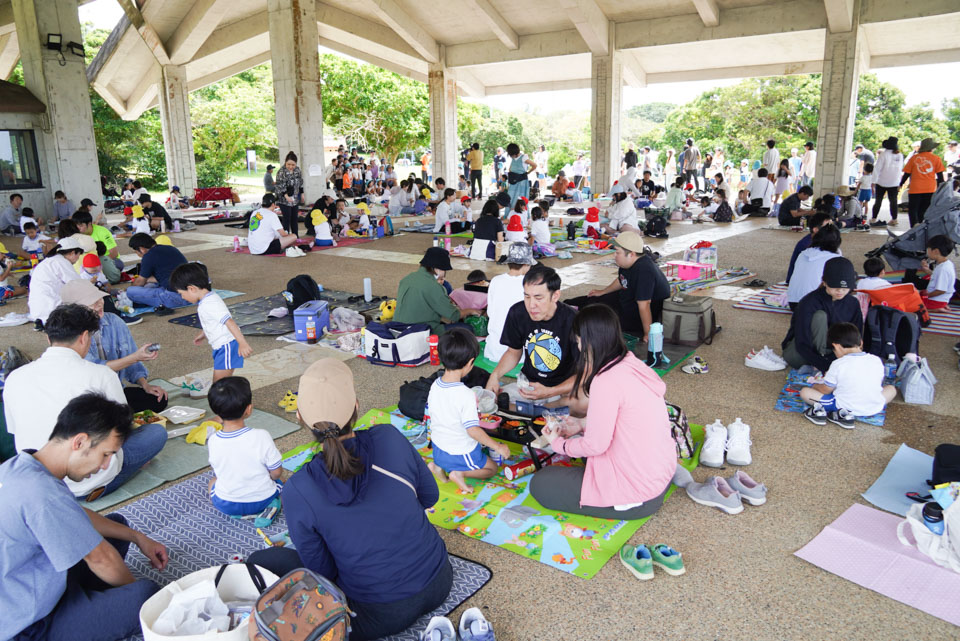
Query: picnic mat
306	244
222	293
862	546
722	277
502	513
907	471
198	536
179	458
487	365
789	399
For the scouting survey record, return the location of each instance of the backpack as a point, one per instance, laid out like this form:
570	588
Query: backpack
300	289
680	431
413	396
890	332
279	612
689	321
904	297
656	227
946	464
724	213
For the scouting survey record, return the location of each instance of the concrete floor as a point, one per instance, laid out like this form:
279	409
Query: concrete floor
742	580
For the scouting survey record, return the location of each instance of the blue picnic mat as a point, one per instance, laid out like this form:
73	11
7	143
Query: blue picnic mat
789	399
222	293
907	471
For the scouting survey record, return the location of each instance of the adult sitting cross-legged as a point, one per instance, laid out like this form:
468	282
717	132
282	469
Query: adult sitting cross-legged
35	393
151	287
113	346
62	574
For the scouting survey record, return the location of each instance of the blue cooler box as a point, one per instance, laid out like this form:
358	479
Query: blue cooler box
316	311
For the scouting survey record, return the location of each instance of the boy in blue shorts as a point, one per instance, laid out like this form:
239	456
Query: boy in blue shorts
458	439
245	461
191	281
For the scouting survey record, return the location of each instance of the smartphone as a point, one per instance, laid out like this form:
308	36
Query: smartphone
153	347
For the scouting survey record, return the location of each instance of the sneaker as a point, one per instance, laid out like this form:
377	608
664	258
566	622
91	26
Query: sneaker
439	629
289	396
696	365
738	443
131	320
638	560
843	418
956	348
475	627
293	252
714	445
750	491
716	492
762	361
668	559
816	414
772	355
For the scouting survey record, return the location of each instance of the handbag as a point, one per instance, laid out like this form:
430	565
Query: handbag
917	382
303	606
943	549
395	343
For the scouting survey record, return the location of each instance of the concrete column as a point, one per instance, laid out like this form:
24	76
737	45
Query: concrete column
177	129
294	43
442	85
842	64
606	83
60	83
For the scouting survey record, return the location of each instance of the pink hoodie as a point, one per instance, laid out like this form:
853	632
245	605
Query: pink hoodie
630	454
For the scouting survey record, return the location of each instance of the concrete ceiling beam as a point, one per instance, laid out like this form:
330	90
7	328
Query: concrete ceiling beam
233	34
469	84
917	58
839	15
550	85
709	12
373	59
591	22
406	27
149	35
356	32
500	27
9	54
634	75
201	21
7	23
144	95
722	73
116	103
876	11
538	45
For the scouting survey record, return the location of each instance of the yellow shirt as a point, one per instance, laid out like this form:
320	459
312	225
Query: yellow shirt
475	156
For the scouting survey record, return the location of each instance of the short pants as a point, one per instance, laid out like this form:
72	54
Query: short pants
473	460
232	508
6	292
864	195
323	242
933	304
228	356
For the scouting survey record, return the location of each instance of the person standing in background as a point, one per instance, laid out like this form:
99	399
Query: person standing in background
808	165
268	184
475	159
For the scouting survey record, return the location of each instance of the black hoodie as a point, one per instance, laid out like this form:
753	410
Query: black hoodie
845	310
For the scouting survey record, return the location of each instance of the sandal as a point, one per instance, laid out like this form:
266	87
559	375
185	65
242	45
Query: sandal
756	282
696	365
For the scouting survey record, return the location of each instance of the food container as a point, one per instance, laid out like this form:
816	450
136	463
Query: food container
490	421
181	414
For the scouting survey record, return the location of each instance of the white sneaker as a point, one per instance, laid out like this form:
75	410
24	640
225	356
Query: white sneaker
439	629
293	252
475	627
738	443
760	360
773	356
714	446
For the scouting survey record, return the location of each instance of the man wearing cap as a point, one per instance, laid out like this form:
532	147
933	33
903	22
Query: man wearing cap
638	291
268	184
422	299
829	304
62	374
924	170
113	346
505	291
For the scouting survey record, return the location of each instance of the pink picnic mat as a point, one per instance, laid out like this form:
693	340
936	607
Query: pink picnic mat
862	546
308	240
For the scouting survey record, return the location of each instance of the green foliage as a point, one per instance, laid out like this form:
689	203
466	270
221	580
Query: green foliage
652	111
951	112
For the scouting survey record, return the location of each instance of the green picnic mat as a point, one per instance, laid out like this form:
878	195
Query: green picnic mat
487	365
179	458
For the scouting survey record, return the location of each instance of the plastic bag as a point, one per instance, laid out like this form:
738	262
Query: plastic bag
343	319
196	610
486	400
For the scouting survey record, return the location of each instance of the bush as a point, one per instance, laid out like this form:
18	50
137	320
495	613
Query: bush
210	173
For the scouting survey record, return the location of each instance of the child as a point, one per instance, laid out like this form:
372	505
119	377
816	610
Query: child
92	271
462	183
866	186
323	235
874	269
6	289
473	294
35	244
458	439
515	232
141	222
784	174
245	461
191	281
723	212
520	209
943	275
127	196
27	217
364	221
675	197
592	221
742	200
853	386
174	197
539	230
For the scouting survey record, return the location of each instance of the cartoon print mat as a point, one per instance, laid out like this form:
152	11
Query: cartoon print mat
502	513
789	399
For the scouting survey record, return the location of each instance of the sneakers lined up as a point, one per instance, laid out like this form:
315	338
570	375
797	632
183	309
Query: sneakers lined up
765	359
295	252
640	560
728	495
473	627
817	415
732	441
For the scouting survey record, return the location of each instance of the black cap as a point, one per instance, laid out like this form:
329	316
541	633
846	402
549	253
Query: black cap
86	202
437	257
145	198
839	272
269	167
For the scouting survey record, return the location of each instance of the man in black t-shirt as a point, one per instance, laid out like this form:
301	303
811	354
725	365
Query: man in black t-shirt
638	292
790	213
537	330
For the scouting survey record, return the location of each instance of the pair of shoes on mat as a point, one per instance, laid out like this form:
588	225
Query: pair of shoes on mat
817	415
289	402
473	627
639	560
732	441
728	495
696	365
765	359
294	252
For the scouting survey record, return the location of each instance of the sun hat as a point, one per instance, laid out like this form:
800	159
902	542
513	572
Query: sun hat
839	272
164	240
515	224
593	215
520	254
844	191
86	243
436	257
892	143
175	188
425	192
326	393
91	260
136	211
363	207
68	243
317	217
80	291
128	211
631	241
928	144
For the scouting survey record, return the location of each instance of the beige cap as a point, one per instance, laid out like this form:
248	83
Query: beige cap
81	292
86	243
631	241
326	393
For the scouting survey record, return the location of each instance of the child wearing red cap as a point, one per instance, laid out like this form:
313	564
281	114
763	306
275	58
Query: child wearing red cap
592	221
92	270
515	231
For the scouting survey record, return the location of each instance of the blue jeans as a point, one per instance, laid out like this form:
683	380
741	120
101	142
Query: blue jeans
140	447
91	609
154	296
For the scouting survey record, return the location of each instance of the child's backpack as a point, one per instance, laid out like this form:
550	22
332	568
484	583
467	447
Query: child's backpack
656	227
413	396
302	606
680	431
300	289
904	297
890	332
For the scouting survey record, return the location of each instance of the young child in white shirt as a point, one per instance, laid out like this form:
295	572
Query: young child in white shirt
865	193
6	289
92	270
35	243
853	386
943	275
539	229
874	269
245	461
141	223
515	232
323	235
455	430
191	281
364	221
174	197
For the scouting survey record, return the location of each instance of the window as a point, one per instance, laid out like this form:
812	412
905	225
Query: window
19	167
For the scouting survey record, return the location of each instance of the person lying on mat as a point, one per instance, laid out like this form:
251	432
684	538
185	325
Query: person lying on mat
422	299
63	577
631	458
356	512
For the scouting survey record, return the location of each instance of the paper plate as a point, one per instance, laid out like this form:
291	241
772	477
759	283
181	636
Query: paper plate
180	414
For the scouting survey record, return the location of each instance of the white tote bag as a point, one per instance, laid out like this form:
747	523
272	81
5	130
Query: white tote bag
943	549
235	584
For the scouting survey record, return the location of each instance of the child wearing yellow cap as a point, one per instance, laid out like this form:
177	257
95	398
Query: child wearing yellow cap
322	232
141	222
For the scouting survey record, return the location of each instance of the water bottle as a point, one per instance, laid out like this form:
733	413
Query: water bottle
446	241
236	243
571	230
890	371
655	345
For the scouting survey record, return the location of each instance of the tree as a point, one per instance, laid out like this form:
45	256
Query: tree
652	111
951	112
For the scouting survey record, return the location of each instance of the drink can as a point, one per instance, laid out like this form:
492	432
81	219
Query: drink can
515	471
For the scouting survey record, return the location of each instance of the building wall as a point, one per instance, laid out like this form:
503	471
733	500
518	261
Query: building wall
40	200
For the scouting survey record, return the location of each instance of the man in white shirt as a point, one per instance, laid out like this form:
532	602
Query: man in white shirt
266	235
808	167
579	171
505	291
771	157
35	394
761	193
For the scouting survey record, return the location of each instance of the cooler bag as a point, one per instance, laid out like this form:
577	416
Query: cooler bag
689	321
396	343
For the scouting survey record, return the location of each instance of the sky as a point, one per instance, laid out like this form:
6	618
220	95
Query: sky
920	84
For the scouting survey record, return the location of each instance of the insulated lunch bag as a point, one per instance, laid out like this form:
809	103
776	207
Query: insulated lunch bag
946	464
396	343
689	321
302	606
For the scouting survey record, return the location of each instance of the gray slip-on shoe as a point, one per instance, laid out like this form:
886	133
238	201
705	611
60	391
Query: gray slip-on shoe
750	491
716	492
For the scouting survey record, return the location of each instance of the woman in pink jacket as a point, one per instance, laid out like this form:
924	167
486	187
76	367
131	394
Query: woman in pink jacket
631	457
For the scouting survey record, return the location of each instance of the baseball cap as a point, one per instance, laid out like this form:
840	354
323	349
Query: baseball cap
593	215
80	291
631	241
465	199
839	272
86	202
436	257
70	242
326	393
520	254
